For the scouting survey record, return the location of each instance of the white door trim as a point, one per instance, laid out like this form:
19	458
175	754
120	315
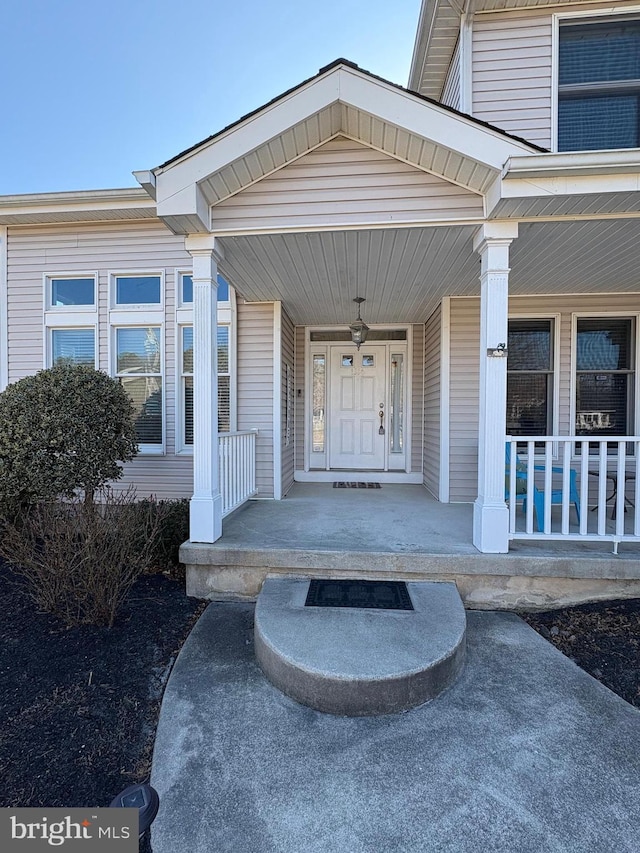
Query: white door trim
324	474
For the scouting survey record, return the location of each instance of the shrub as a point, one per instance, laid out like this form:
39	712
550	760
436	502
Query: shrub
173	531
80	559
63	430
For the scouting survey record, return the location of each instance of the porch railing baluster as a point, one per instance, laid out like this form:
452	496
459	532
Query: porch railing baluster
604	468
237	455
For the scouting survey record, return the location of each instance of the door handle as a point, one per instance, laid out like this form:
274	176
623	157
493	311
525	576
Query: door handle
381	414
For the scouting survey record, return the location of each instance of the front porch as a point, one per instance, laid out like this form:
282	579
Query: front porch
401	532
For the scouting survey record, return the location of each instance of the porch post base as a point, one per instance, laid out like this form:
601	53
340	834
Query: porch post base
490	527
205	518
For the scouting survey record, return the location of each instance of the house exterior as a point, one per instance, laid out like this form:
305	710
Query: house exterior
488	217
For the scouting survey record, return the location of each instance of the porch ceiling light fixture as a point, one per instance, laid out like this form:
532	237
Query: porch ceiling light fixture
359	329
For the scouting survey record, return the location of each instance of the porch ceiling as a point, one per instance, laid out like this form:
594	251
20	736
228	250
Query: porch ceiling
404	273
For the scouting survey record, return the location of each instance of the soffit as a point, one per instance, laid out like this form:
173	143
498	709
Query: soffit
590	256
404	273
82	206
342	100
343	120
438	31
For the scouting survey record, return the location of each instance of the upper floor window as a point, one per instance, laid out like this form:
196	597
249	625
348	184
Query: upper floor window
599	85
70	292
133	290
186	289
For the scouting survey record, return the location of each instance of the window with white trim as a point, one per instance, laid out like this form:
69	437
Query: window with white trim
76	345
70	292
133	290
530	377
138	366
186	289
605	377
599	84
186	379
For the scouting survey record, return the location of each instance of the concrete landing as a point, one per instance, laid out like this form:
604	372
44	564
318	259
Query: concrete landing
359	662
399	532
524	752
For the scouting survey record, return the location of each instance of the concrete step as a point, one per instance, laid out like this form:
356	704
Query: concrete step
360	662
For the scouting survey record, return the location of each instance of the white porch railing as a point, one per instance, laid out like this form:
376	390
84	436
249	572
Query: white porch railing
237	454
603	483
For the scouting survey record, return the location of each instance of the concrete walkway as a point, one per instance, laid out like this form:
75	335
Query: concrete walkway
524	753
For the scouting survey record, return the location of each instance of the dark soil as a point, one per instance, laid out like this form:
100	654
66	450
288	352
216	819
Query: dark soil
79	707
602	638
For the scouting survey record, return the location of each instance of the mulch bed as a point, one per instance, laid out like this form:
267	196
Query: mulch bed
602	638
79	707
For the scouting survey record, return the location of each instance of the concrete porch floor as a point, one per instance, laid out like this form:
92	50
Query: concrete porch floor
399	531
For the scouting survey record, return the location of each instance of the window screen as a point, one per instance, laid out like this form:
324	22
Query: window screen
604	377
599	85
529	377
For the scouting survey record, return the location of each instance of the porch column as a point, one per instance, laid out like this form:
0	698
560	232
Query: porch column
205	509
490	513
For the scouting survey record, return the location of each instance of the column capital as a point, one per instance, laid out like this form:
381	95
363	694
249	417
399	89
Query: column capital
204	244
494	234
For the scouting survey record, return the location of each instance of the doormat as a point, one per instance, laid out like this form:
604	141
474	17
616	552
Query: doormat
375	595
343	485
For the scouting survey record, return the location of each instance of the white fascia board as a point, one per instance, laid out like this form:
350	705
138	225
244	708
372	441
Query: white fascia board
188	202
35	203
558	175
250	134
77	197
147	181
569	185
350	87
584	163
421	45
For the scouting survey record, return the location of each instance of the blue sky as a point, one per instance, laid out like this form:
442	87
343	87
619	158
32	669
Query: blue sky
93	89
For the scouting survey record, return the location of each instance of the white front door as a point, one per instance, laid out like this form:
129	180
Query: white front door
358	398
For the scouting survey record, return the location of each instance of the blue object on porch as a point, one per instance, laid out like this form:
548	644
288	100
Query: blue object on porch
538	494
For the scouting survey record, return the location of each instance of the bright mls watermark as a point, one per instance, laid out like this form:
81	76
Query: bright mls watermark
82	830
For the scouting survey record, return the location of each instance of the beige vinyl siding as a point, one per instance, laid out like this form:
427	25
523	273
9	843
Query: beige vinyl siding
34	251
255	384
344	182
451	90
431	467
463	399
417	397
288	360
465	344
511	77
300	384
